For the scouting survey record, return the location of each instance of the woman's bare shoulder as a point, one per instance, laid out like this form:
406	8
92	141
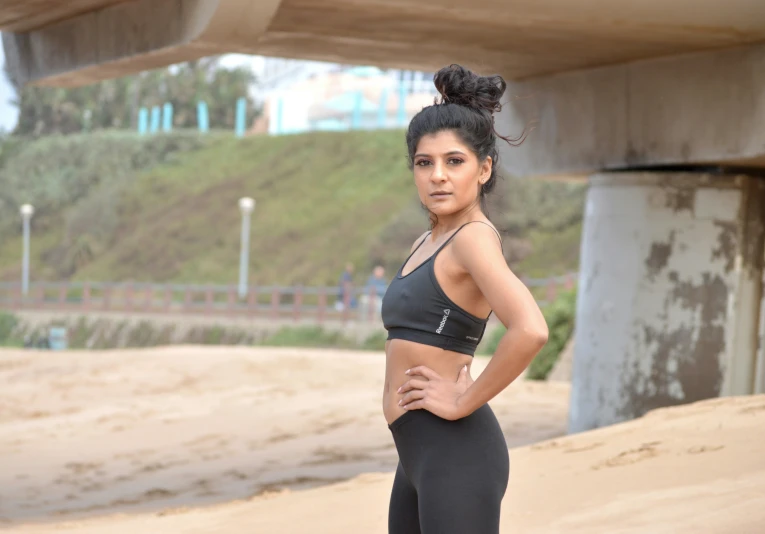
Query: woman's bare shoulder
419	240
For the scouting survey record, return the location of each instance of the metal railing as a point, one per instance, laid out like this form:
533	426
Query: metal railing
316	303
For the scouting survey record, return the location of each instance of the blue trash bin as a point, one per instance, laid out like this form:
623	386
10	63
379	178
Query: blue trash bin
57	338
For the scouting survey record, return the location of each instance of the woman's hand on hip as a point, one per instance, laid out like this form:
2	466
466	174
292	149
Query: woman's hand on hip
427	390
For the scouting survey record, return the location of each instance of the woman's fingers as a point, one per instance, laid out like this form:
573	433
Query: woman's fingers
415	394
414	383
421	370
416	405
462	376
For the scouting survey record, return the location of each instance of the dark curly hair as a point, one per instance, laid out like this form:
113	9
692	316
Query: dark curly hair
467	106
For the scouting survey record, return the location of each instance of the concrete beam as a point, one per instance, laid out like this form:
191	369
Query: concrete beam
134	36
26	15
696	109
523	38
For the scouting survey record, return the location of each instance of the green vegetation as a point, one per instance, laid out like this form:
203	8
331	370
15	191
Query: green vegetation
375	342
76	184
115	206
100	334
559	316
8	323
315	336
308	336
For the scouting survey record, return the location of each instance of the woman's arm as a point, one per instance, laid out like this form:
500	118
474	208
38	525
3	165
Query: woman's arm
477	250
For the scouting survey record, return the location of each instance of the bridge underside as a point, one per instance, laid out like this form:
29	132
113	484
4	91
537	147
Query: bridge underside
661	103
62	42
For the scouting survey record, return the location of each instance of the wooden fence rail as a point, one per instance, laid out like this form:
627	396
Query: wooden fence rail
317	303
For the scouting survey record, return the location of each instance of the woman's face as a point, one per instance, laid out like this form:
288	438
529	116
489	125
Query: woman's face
447	173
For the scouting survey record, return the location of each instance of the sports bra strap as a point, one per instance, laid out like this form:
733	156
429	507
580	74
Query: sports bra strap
421	242
401	269
463	226
501	244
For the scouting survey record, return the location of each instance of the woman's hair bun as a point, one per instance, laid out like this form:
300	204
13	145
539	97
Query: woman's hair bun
458	85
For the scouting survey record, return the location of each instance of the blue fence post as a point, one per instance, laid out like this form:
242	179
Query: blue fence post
155	113
241	116
167	117
356	116
402	104
382	111
143	121
279	113
203	119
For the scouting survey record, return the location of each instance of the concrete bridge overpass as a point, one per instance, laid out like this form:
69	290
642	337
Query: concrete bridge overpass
660	104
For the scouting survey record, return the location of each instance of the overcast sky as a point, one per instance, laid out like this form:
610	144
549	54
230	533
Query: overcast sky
9	114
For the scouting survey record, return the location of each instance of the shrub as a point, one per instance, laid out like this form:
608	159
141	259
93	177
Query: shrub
375	342
559	316
317	337
307	336
7	323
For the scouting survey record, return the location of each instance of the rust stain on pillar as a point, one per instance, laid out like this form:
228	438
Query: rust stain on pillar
726	244
685	361
680	199
658	257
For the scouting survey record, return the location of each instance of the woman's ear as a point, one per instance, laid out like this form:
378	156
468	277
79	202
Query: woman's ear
486	170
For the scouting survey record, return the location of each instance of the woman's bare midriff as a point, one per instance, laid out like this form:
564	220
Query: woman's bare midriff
401	355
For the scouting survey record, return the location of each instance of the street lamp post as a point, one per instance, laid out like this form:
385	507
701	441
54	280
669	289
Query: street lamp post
27	210
246	206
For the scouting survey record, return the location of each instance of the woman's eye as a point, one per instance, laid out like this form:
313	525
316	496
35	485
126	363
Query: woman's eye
455	161
422	163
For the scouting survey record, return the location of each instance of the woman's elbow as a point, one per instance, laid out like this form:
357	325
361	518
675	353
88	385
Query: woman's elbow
532	333
538	335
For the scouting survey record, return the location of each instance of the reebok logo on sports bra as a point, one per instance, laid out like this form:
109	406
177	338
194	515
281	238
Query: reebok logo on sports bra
443	321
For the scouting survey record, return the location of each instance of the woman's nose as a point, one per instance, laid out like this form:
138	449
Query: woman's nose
438	175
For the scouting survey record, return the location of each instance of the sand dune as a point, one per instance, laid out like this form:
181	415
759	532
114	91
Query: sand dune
203	440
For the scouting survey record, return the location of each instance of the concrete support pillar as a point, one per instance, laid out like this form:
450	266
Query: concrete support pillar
670	293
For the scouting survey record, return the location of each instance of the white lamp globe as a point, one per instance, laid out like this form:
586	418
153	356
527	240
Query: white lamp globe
246	204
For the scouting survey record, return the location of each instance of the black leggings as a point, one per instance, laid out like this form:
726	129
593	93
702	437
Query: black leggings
451	475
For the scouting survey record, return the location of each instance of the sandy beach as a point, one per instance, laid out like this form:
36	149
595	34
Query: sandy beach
219	439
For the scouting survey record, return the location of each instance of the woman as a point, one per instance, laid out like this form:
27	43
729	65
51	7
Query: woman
454	466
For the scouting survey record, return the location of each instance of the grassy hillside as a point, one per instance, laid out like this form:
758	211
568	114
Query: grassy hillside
114	206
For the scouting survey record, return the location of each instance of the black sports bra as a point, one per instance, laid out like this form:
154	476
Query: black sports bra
415	308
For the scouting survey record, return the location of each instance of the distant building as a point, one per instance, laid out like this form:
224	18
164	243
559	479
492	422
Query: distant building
302	96
279	74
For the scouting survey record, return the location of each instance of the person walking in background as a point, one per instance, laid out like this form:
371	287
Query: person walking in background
345	293
374	291
454	465
379	283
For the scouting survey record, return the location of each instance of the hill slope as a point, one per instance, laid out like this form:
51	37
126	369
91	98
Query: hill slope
115	206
